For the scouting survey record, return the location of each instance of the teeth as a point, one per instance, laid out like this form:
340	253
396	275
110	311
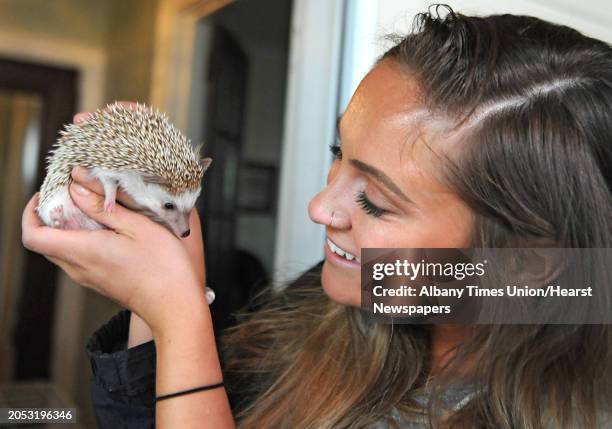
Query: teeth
335	248
341	252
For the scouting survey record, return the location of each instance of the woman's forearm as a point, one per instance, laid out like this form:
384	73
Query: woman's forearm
187	358
139	331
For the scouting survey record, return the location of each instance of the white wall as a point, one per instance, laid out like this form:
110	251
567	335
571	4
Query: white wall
376	18
310	120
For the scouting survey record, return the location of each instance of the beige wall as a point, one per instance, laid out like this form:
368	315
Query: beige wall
122	29
85	21
130	49
111	43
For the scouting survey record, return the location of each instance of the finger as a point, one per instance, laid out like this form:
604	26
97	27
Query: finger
71	271
55	260
81	116
63	265
83	177
121	219
52	242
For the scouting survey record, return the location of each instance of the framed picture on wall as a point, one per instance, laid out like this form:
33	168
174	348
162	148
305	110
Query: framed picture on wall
257	188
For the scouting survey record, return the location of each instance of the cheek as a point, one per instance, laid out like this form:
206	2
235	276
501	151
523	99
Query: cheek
448	226
340	285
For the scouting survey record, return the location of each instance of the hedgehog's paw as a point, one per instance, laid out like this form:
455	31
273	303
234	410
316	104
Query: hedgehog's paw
64	220
57	217
110	192
109	205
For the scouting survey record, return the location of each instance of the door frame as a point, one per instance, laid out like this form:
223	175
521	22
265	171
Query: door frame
313	96
91	65
174	54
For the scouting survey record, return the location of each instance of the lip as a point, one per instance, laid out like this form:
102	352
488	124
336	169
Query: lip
339	260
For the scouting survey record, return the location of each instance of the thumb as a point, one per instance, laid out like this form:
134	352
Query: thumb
92	204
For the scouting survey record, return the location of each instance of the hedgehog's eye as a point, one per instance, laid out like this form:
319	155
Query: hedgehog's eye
169	206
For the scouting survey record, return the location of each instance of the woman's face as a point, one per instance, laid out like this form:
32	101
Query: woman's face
384	190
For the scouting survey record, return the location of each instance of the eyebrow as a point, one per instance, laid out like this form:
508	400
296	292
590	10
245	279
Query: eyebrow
381	177
375	172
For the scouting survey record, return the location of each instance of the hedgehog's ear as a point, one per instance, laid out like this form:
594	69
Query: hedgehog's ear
154	179
205	163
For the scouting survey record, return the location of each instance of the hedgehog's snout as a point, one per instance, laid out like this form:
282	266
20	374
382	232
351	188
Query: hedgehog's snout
179	223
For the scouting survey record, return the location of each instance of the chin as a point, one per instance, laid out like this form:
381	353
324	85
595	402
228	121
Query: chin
339	286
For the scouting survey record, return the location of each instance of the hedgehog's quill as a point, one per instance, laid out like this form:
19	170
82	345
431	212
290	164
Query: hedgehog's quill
134	148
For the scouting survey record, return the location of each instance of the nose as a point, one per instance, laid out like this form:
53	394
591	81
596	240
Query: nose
327	210
186	233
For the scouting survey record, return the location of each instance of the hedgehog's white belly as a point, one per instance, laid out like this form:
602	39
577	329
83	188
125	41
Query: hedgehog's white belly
61	212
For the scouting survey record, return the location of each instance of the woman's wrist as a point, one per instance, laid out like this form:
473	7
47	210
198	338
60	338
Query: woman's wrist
187	334
182	308
181	302
187	358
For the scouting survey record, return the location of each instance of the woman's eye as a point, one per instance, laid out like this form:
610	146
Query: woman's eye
368	206
169	206
336	151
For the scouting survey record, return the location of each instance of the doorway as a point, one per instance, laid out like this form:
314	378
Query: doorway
238	107
35	101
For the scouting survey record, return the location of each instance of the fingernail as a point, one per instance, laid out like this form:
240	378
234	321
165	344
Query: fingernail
81	190
82	172
80	117
86	172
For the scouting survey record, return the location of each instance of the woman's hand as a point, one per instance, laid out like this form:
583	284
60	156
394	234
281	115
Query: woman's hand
146	268
193	243
137	262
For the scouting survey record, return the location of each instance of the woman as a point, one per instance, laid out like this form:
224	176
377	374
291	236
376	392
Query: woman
470	132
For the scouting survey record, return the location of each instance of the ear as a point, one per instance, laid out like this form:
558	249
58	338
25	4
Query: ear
154	179
205	163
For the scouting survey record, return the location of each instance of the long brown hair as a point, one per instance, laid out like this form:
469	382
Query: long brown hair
535	164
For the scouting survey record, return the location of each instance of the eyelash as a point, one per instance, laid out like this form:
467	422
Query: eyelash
368	206
362	199
336	150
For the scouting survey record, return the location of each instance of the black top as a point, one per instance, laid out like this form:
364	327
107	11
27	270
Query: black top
123	383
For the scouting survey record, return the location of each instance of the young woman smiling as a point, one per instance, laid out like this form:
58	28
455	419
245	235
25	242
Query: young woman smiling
469	132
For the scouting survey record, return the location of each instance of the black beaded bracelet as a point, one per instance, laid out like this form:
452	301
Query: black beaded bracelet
184	392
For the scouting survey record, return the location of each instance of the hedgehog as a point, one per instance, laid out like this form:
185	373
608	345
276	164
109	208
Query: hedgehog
132	148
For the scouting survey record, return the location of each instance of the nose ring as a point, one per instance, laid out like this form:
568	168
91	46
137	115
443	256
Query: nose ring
331	220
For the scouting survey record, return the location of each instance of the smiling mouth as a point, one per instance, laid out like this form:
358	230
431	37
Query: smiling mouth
339	251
